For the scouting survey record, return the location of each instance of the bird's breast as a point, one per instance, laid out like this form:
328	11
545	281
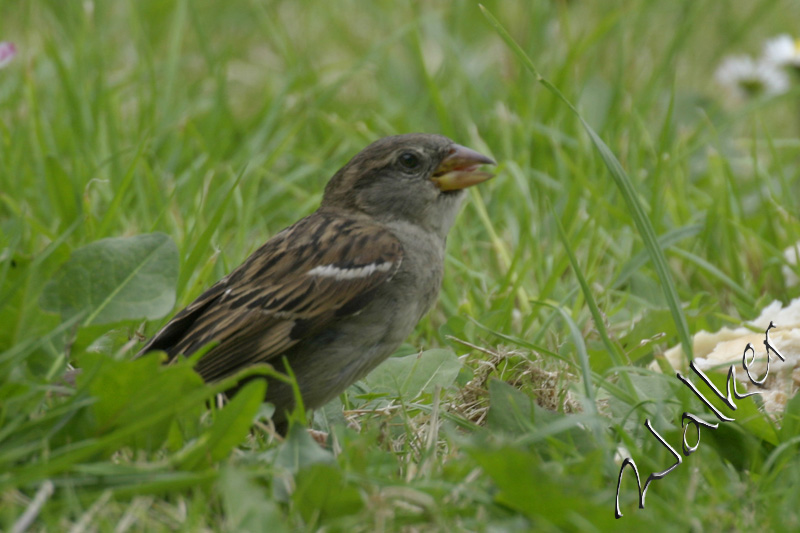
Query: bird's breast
419	278
348	351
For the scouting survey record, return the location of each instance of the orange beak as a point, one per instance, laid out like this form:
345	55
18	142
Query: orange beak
459	170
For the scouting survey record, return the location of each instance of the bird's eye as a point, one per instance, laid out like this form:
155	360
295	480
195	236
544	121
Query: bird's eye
409	160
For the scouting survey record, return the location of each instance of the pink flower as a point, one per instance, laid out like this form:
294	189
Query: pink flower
7	53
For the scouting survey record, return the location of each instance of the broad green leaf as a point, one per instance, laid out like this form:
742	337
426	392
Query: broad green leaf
299	450
116	279
322	493
511	410
516	474
231	426
789	436
544	491
248	509
128	391
731	442
747	414
155	410
415	374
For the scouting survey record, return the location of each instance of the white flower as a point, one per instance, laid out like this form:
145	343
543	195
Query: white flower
790	254
7	53
747	77
717	351
783	51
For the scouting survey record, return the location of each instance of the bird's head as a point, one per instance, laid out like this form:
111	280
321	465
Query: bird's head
415	177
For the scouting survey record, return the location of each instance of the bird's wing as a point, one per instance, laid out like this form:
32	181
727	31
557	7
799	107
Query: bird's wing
309	275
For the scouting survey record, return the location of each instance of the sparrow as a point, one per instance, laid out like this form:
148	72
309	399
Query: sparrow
337	292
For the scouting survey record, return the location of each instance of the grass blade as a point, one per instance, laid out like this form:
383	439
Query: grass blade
625	186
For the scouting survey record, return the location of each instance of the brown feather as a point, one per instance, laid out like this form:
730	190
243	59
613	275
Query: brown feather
271	302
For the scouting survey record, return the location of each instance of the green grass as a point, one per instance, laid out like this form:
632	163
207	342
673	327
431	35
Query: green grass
218	124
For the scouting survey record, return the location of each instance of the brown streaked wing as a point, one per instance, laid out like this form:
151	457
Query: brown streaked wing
170	337
271	302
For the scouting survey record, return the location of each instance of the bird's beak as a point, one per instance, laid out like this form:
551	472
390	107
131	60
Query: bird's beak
459	170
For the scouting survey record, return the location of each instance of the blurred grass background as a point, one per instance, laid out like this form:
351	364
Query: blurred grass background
120	118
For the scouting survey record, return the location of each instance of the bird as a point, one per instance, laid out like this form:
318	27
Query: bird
336	293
